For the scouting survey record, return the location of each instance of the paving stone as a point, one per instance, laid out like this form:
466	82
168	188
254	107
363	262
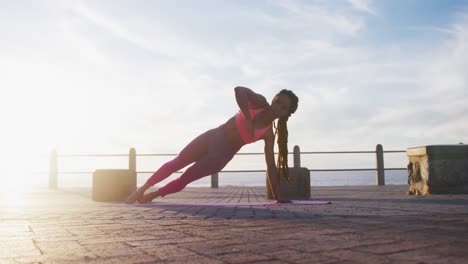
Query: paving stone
7	261
270	261
78	257
84	231
165	252
211	244
111	239
142	258
61	247
424	256
296	256
243	257
112	249
396	246
198	259
15	248
356	256
164	241
363	224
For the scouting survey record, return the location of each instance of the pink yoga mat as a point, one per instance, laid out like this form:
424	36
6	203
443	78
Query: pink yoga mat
270	203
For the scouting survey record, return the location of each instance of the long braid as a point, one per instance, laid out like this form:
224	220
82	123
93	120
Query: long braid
282	131
282	164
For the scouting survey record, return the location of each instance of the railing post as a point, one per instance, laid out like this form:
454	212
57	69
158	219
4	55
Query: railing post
53	170
132	168
214	180
297	157
380	165
132	160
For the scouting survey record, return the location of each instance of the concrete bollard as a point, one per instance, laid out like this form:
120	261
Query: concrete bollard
113	185
438	169
298	189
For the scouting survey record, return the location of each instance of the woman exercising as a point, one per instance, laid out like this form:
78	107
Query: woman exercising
212	150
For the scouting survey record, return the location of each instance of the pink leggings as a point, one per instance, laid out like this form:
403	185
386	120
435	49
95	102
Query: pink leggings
210	151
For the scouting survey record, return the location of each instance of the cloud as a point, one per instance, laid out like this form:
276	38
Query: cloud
430	109
313	18
151	35
357	94
171	80
363	5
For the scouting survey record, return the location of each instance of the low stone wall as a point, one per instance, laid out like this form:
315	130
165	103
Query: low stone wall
113	185
438	169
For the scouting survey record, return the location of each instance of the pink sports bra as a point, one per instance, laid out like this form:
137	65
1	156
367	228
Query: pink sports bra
241	123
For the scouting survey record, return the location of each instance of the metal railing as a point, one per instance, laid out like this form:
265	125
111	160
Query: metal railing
379	152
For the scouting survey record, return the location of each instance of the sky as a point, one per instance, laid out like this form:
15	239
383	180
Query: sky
105	76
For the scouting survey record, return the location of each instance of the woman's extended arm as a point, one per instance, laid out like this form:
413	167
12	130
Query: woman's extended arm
270	161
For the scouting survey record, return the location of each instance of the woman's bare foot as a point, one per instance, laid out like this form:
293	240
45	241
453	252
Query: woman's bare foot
148	197
143	199
136	195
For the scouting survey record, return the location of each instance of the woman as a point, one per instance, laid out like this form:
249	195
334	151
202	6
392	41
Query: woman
212	150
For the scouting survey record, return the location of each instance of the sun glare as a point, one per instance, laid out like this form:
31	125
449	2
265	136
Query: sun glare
41	112
12	194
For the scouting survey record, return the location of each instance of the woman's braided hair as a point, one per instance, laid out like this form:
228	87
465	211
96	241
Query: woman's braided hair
281	129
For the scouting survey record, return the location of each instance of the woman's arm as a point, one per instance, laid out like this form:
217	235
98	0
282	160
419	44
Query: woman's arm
270	161
246	99
242	99
249	99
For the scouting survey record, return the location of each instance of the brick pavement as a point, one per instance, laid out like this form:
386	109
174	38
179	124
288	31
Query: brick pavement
363	224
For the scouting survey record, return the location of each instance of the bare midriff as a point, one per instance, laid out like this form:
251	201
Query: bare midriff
230	130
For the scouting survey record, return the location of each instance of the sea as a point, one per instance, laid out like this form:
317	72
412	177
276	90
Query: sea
341	178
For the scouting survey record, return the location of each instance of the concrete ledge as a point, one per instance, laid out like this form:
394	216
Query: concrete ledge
439	151
438	169
113	185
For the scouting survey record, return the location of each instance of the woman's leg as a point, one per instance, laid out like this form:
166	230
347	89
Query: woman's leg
195	150
211	163
191	153
204	167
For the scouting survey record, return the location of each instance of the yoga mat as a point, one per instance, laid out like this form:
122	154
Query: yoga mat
266	203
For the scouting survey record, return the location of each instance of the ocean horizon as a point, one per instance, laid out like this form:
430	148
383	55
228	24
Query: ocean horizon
147	165
341	178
